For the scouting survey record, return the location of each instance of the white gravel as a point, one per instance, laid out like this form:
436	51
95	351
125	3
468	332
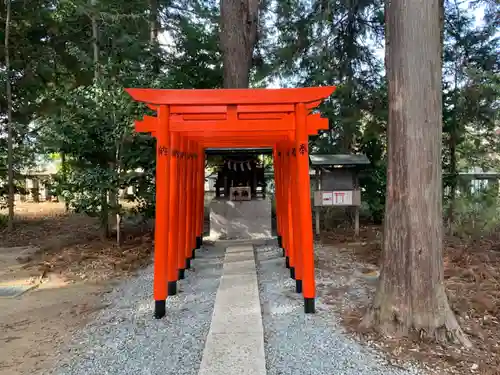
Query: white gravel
126	339
312	344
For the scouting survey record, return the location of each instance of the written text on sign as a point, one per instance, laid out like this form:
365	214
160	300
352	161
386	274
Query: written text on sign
336	198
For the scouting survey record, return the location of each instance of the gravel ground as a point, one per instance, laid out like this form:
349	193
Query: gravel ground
296	343
125	339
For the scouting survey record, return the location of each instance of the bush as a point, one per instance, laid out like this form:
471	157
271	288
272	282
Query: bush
3	220
476	215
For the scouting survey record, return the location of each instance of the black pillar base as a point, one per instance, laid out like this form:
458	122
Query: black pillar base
309	306
182	274
188	263
280	241
172	288
160	309
193	254
298	286
287	262
292	272
199	242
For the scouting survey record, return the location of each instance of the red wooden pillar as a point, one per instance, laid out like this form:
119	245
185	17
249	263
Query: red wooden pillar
277	197
288	169
196	197
192	213
295	183
283	178
189	203
161	218
182	176
302	173
173	214
201	197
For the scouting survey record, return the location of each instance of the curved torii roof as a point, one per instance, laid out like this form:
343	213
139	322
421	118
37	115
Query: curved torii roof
233	117
211	97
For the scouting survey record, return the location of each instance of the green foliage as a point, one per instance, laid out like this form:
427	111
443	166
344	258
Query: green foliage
477	215
374	189
470	92
333	43
93	129
60	108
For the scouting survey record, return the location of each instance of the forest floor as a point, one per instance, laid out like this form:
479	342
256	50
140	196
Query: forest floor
69	268
472	278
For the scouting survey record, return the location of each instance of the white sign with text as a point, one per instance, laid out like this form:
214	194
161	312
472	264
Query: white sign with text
327	198
337	198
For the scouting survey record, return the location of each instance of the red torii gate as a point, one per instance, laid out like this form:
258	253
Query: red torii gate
187	122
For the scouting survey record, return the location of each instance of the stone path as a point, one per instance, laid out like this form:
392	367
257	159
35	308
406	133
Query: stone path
235	342
236	313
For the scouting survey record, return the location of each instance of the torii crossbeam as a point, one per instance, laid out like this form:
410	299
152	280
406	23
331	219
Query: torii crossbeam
187	122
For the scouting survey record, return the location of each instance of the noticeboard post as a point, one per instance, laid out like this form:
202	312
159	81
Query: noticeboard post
337	183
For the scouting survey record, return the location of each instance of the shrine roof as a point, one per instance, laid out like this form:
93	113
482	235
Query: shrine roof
231	96
225	151
338	159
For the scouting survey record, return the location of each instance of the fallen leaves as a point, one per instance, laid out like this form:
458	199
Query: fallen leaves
472	279
69	244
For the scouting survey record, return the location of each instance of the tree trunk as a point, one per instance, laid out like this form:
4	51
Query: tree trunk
453	180
238	34
104	219
411	295
64	171
10	130
104	215
95	38
118	168
154	27
350	107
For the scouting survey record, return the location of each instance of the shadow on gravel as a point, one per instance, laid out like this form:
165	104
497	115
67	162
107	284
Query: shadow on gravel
300	344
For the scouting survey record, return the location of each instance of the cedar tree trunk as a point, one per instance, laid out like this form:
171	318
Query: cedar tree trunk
238	34
411	294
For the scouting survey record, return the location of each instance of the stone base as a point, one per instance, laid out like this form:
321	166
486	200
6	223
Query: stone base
234	220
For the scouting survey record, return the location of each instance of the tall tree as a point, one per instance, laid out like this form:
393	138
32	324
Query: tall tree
10	135
238	35
411	294
470	64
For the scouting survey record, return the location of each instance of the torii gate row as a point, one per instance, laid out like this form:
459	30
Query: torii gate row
187	122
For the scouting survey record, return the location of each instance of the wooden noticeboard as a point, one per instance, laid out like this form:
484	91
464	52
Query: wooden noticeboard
341	198
337	183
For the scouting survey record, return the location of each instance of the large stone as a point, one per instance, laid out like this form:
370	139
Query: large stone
240	219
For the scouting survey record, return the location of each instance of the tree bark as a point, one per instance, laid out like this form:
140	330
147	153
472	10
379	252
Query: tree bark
350	106
454	176
154	27
95	38
64	171
411	295
10	130
238	34
104	193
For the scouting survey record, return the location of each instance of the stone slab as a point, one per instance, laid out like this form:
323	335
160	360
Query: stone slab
234	353
235	342
13	291
243	248
240	220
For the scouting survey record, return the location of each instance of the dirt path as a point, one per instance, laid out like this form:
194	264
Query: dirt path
59	254
33	325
